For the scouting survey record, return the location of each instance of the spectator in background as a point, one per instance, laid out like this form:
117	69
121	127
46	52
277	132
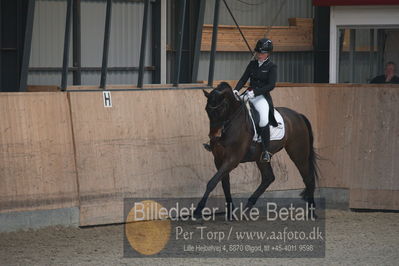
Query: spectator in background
389	76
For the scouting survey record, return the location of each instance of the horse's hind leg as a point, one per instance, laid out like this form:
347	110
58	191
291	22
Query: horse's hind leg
299	153
267	178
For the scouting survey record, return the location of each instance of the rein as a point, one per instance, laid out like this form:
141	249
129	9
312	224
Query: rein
225	125
217	106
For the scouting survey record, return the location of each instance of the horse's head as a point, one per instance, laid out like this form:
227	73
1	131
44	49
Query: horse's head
218	107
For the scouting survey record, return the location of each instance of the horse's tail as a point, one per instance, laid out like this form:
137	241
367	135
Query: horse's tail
314	170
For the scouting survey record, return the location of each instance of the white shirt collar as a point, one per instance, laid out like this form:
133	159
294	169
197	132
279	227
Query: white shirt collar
261	62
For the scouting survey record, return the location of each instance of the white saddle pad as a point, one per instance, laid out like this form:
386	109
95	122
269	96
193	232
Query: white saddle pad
276	133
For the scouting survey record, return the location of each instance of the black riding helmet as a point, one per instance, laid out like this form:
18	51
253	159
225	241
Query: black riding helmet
264	45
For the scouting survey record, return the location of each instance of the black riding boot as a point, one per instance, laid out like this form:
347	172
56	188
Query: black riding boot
265	135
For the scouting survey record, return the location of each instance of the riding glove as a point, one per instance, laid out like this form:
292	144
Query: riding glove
237	94
248	95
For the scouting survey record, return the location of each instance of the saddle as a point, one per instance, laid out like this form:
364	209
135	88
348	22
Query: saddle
277	129
256	118
277	126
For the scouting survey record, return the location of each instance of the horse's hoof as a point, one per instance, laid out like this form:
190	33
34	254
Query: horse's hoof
197	214
312	215
249	206
229	210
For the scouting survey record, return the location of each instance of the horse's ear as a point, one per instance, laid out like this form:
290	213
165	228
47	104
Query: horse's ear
206	93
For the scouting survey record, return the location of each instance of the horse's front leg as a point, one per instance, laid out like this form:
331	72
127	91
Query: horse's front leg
267	178
222	172
227	194
226	189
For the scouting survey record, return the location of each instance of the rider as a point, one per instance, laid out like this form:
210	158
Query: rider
262	73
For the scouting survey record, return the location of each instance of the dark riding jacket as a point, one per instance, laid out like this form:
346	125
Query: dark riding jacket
262	81
382	78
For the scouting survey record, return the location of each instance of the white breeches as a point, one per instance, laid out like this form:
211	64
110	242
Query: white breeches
262	106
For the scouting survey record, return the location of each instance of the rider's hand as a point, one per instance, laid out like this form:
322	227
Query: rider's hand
248	95
251	94
236	94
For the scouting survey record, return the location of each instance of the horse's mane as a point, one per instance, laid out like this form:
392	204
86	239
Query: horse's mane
223	85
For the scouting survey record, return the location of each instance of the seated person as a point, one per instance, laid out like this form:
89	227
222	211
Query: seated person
389	76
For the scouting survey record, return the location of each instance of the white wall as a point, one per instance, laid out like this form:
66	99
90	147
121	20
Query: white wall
357	16
125	41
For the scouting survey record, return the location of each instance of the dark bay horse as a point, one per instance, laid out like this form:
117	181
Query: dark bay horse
231	133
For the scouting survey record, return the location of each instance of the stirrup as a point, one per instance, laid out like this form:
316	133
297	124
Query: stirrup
266	156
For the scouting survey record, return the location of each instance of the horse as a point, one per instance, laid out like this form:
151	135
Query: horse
231	143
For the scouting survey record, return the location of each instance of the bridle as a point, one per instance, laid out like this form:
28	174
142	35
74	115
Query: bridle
219	105
227	123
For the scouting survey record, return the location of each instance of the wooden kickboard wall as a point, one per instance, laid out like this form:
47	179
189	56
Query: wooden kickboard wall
65	149
37	166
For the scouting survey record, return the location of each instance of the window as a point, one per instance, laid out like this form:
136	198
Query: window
362	39
363	52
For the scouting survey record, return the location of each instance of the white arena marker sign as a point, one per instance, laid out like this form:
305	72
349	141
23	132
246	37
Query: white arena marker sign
107	99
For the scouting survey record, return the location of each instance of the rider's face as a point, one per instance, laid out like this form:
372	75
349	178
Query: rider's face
262	56
389	70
